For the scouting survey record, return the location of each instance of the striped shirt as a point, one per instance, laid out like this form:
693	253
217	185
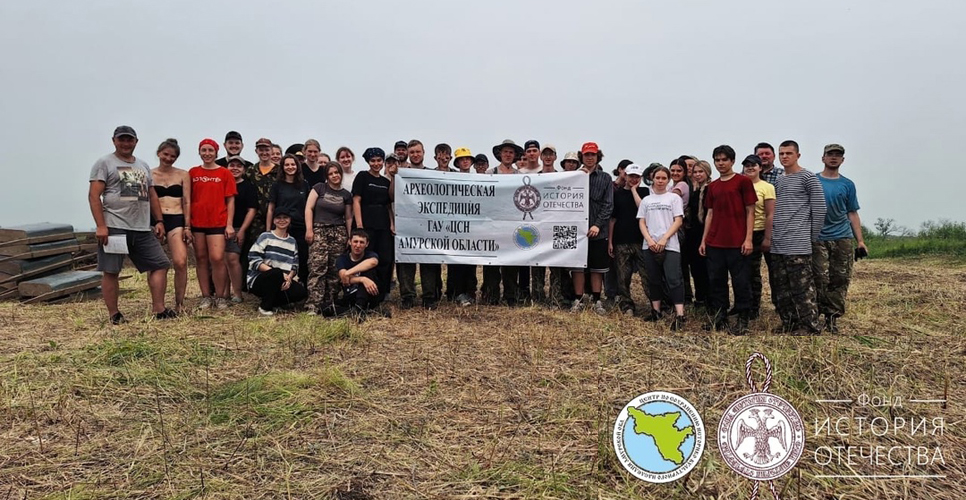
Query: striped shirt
799	213
276	252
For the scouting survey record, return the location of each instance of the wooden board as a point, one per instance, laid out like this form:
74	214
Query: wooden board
7	280
71	280
19	266
56	294
35	233
37	250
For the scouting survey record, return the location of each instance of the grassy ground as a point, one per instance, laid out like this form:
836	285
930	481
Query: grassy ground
454	403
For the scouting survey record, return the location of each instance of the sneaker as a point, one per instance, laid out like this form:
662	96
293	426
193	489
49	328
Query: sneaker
831	325
237	299
166	314
741	327
407	304
205	303
263	312
599	308
118	319
654	316
464	300
431	305
221	303
577	307
678	323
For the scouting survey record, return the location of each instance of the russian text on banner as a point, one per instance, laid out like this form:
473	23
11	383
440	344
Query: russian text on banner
513	220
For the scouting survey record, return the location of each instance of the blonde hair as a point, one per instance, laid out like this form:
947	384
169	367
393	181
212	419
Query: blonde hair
703	165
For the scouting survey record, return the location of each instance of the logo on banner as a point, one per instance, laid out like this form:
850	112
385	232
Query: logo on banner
526	198
761	436
526	237
659	437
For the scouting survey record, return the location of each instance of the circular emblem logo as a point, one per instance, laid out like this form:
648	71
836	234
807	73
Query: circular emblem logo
526	198
526	237
761	436
659	437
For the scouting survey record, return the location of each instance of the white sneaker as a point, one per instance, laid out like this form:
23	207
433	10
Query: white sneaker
263	312
221	303
464	300
205	303
237	299
577	307
599	308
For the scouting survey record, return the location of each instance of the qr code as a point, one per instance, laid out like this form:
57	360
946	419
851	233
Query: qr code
564	237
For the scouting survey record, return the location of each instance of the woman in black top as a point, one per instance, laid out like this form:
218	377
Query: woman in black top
700	178
372	210
290	192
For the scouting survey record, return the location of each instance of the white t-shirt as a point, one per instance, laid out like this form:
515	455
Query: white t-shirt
659	211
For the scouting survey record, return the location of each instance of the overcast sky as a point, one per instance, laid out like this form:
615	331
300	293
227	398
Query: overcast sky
646	80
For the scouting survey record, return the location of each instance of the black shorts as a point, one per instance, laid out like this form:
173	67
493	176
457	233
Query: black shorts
143	248
172	222
598	260
208	231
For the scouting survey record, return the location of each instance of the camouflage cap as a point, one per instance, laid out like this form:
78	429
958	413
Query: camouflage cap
834	147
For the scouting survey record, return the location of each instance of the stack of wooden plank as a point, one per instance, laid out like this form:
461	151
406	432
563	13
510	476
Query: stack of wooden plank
37	262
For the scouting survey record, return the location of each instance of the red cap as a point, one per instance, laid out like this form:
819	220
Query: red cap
589	147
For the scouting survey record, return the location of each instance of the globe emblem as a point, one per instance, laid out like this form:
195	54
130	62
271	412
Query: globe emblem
526	198
659	437
526	237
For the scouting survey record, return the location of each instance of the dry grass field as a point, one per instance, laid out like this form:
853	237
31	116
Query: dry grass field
455	403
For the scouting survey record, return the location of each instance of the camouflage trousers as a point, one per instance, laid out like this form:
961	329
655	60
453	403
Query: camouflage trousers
323	283
628	258
795	291
832	269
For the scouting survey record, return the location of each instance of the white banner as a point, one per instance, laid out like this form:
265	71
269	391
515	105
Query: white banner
505	219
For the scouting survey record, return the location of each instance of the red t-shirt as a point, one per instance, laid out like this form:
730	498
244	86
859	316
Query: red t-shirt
209	188
728	200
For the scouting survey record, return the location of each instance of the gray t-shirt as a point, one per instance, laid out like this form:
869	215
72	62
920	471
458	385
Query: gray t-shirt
330	206
126	188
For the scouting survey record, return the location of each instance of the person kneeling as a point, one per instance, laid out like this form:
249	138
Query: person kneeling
273	266
357	272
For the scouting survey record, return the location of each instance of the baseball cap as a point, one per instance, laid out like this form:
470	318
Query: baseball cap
125	130
572	156
532	143
751	159
550	147
232	158
263	142
232	135
834	147
634	169
400	144
589	147
392	159
280	211
481	158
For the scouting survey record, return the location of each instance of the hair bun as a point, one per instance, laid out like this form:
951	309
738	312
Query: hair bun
171	140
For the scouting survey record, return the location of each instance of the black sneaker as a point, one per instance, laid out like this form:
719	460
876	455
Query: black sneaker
431	305
654	316
118	319
166	314
716	325
678	323
741	327
407	304
831	325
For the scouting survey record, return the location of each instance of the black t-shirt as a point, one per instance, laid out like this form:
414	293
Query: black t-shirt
626	227
247	198
374	202
313	178
292	197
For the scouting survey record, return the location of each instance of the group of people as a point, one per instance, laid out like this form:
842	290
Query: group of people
298	227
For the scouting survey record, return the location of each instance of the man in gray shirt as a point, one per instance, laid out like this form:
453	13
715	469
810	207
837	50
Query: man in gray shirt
799	217
128	218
